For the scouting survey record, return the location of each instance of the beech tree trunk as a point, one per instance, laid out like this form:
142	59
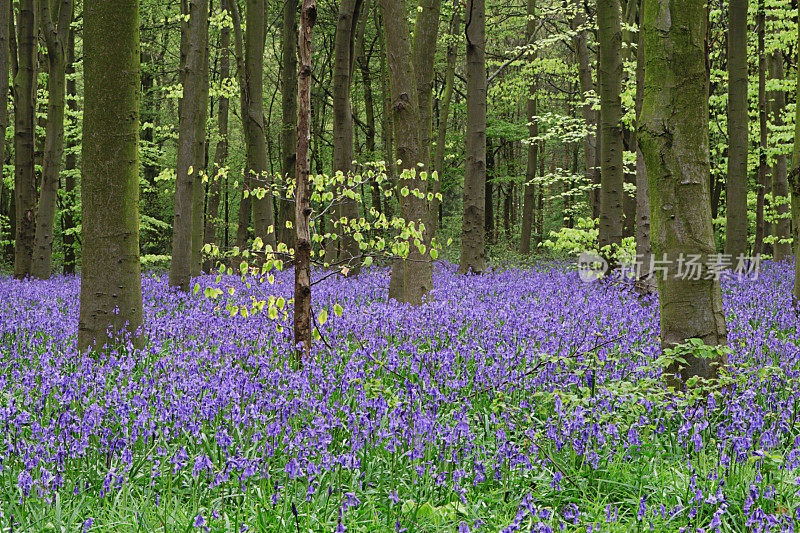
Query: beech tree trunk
611	147
412	278
111	282
289	118
25	183
780	186
344	58
673	135
302	271
245	207
191	146
738	142
473	236
529	195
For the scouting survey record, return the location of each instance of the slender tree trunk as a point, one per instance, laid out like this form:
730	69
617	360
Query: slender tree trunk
5	193
302	272
644	250
780	186
611	147
529	201
444	111
412	278
25	183
674	140
362	60
387	122
589	115
111	282
738	143
488	205
191	140
758	246
56	16
253	117
423	47
473	236
70	160
245	208
199	193
213	227
794	188
289	117
343	126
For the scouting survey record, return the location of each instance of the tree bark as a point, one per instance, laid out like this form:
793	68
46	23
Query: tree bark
25	183
738	143
344	57
191	146
55	19
473	236
302	272
529	195
611	147
780	186
111	282
674	140
245	208
289	118
412	278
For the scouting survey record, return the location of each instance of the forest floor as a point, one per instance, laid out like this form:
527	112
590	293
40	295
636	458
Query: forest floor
522	400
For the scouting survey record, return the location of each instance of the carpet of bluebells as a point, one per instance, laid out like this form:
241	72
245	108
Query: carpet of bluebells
522	400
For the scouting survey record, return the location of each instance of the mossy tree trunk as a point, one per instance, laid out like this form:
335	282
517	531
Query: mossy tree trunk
5	192
673	134
25	182
411	278
794	188
609	71
111	282
738	134
473	236
191	146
